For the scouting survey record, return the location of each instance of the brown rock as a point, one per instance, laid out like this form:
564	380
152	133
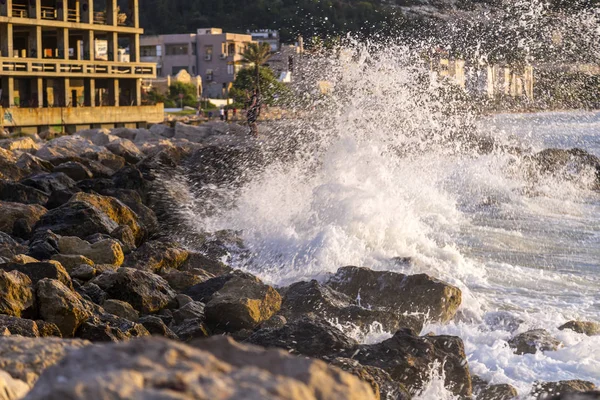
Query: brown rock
39	271
121	309
157	257
71	261
12	212
589	328
545	389
59	305
531	341
102	252
16	294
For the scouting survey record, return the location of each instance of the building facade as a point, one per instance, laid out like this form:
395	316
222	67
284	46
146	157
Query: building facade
59	57
209	53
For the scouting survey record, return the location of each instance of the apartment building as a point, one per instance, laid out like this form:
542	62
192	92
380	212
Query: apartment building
269	36
209	53
59	59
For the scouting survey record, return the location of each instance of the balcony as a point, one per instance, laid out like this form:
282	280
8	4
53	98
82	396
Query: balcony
20	11
76	67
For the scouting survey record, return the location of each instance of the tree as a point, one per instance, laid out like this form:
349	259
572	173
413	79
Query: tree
189	92
273	91
257	54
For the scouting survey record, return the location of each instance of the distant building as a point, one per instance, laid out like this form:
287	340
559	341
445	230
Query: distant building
209	53
59	59
271	37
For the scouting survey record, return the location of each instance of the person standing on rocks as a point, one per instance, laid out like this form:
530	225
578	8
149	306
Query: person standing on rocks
222	114
253	113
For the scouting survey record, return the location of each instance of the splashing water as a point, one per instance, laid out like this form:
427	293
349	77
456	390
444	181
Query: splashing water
386	167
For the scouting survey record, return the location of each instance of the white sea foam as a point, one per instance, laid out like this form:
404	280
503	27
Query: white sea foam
383	176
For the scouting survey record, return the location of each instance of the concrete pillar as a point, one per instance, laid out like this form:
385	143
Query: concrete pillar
89	47
63	43
91	92
7	40
77	10
11	91
135	12
113	92
67	89
138	92
79	50
113	46
134	48
111	12
40	92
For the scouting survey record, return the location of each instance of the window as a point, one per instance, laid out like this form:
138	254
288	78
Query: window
177	49
148	51
208	52
193	50
159	51
209	74
230	69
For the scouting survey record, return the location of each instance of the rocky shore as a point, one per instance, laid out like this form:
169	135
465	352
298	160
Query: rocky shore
97	300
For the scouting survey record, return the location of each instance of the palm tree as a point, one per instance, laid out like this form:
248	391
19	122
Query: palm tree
257	54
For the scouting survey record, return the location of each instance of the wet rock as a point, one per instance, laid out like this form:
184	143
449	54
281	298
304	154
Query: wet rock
10	213
323	382
382	383
19	326
61	306
9	247
17	297
126	149
502	320
307	336
18	193
83	272
146	292
156	326
197	261
121	309
484	391
421	293
53	182
191	329
76	218
157	256
93	292
131	178
26	358
409	358
243	302
303	298
561	389
181	281
192	310
586	327
118	212
102	252
38	271
554	160
74	170
110	328
132	199
531	341
43	245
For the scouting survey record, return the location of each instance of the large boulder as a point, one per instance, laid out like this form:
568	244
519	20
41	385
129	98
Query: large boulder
60	305
306	336
106	251
11	213
121	309
68	146
543	390
568	161
8	168
26	358
110	328
586	327
19	326
535	340
76	218
18	193
482	390
99	137
115	210
108	159
40	270
43	245
157	257
146	292
243	302
158	368
156	326
9	247
436	300
49	183
304	298
21	143
32	165
126	149
74	170
409	359
17	297
133	200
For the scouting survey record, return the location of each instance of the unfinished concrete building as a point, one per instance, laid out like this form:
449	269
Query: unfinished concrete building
71	64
